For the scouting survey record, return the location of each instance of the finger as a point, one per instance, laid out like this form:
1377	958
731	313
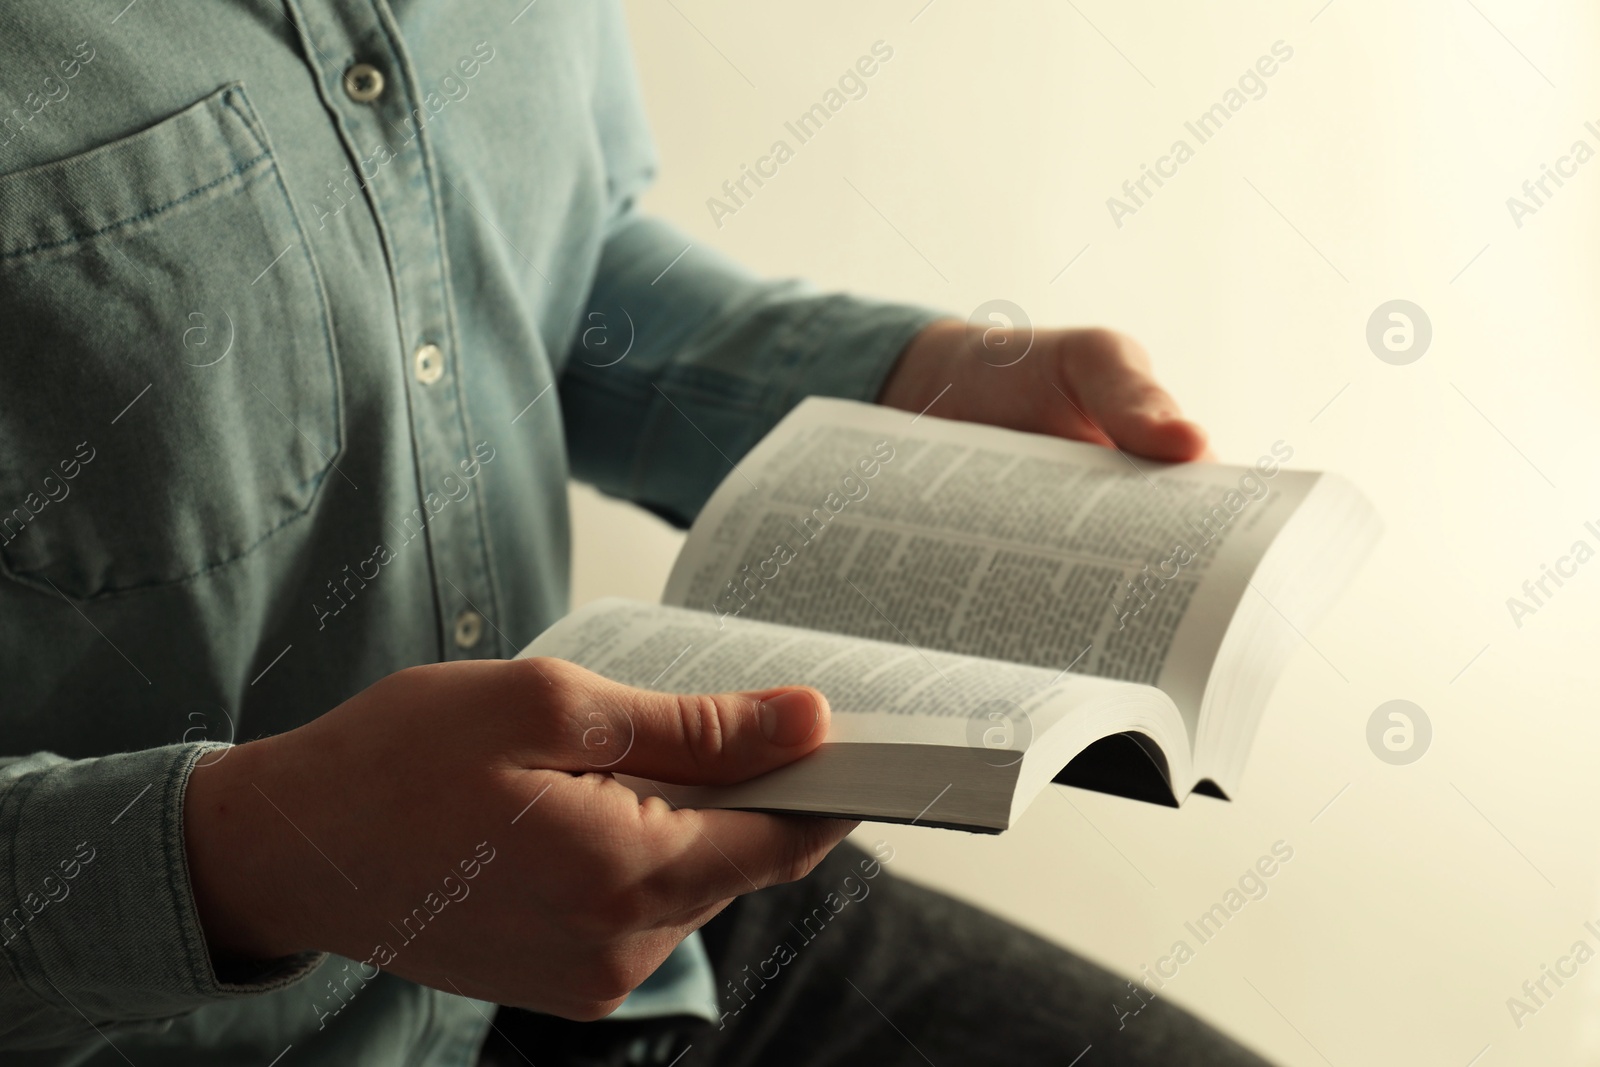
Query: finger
690	739
716	739
708	855
685	864
1107	377
693	918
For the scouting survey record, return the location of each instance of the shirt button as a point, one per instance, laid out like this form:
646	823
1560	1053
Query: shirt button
469	629
363	83
429	364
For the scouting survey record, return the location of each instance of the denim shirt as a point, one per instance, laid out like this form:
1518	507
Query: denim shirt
311	309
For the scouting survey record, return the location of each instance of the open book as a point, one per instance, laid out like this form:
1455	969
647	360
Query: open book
987	611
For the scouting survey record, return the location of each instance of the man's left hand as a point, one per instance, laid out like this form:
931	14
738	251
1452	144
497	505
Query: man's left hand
1089	385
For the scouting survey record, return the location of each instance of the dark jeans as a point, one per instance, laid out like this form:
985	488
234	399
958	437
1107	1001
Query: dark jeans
898	975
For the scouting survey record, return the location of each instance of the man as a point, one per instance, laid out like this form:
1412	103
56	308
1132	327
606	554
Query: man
299	301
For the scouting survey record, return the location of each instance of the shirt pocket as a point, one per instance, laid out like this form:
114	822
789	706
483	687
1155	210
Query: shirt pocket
172	395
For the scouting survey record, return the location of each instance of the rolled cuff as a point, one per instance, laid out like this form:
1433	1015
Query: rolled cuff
103	928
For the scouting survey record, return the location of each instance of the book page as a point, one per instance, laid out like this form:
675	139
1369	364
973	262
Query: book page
878	692
953	537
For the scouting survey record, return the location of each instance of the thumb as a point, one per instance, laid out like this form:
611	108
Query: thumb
700	739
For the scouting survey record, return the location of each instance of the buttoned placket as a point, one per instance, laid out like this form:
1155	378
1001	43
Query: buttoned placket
367	82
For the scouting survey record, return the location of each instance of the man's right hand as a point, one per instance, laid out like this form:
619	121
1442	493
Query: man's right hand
340	836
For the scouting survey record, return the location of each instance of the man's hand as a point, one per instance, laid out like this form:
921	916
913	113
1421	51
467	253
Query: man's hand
355	833
1089	385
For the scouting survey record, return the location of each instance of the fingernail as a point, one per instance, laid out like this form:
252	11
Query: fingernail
789	719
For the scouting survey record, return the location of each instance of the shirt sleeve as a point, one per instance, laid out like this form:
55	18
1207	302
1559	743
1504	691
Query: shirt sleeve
717	359
100	930
715	356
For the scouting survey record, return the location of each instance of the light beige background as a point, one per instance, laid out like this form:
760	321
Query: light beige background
1377	166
